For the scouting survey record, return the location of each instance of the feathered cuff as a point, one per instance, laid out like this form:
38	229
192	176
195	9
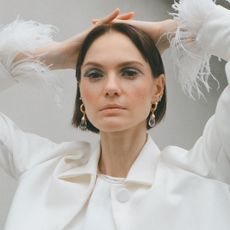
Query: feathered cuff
23	37
191	61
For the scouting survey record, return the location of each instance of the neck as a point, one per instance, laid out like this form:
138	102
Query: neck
120	149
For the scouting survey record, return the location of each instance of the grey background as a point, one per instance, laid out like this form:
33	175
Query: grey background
35	110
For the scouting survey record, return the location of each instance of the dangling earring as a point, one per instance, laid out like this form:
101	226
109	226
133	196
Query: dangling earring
152	120
83	123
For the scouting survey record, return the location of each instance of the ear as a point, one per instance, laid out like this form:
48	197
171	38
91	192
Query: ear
159	87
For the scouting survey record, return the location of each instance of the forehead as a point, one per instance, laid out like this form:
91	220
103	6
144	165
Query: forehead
113	46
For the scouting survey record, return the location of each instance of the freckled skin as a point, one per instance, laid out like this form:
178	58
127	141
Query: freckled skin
109	54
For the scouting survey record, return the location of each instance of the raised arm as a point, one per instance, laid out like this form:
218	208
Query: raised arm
208	26
214	36
62	55
28	50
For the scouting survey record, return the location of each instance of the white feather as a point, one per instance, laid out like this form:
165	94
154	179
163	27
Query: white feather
191	61
25	37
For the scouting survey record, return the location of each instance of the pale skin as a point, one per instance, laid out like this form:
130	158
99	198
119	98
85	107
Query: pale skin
123	130
118	77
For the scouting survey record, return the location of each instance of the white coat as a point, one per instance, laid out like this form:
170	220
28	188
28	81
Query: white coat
171	189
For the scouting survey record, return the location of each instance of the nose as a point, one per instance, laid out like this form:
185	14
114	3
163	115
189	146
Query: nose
112	86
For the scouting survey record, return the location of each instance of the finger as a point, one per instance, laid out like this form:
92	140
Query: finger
95	21
110	17
126	16
128	21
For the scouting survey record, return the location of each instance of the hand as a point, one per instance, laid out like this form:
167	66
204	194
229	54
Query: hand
114	16
68	50
160	32
62	55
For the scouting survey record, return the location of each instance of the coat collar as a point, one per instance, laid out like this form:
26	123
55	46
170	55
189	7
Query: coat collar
143	169
85	162
76	173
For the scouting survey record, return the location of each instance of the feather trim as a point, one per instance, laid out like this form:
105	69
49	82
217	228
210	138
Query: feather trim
25	37
190	60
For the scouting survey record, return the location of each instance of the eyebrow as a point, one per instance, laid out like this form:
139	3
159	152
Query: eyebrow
91	63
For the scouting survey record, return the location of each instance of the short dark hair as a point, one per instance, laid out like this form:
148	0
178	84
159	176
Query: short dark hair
148	50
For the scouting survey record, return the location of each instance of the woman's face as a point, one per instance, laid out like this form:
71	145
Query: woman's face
117	87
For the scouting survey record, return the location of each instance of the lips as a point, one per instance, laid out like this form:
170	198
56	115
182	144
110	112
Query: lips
112	106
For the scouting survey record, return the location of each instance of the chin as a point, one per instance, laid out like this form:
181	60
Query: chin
117	127
112	128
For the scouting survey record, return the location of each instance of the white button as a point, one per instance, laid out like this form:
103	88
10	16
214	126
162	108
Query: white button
123	195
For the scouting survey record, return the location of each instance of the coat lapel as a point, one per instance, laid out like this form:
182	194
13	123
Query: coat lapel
143	169
70	187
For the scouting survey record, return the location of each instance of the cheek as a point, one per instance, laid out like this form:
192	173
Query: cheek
144	92
86	92
142	99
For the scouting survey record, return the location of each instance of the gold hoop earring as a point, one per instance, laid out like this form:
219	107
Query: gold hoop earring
83	123
152	118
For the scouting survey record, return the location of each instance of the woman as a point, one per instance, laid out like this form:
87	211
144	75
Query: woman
126	183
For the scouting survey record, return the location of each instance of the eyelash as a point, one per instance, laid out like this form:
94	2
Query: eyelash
127	72
93	74
130	73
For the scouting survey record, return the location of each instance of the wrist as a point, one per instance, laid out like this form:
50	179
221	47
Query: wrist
166	31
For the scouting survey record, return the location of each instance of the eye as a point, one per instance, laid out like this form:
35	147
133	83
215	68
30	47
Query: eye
130	73
93	74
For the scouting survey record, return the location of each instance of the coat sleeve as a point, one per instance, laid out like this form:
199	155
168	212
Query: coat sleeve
20	151
208	24
212	150
23	37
